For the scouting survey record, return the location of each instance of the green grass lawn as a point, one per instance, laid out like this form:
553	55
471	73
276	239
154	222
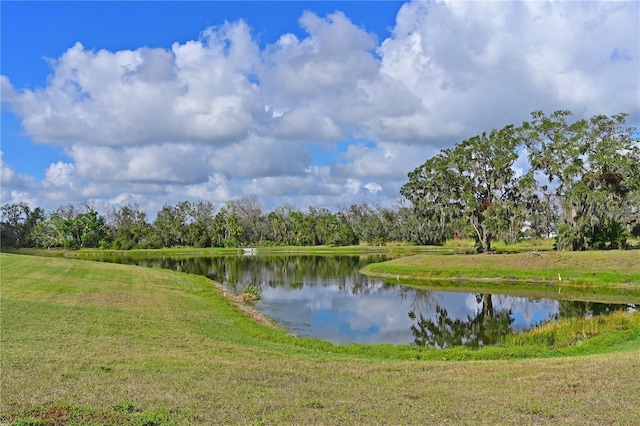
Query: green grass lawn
85	342
618	269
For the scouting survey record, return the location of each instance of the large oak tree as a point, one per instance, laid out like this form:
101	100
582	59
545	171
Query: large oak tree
587	170
592	168
470	184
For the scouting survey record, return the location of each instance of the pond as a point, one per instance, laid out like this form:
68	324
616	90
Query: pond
326	297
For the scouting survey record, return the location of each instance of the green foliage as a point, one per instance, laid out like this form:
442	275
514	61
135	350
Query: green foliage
593	170
583	184
471	184
335	230
288	226
227	230
571	332
250	293
19	224
64	228
129	228
85	230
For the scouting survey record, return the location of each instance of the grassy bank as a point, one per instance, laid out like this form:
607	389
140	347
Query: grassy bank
392	248
97	343
608	269
301	250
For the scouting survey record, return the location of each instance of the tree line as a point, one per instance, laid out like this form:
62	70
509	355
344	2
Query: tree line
238	223
581	184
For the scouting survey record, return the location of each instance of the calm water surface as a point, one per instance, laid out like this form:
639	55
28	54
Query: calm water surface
327	298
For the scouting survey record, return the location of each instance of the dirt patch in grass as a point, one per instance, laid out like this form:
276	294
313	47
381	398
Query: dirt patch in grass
60	414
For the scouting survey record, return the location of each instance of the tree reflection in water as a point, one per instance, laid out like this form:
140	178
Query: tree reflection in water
485	328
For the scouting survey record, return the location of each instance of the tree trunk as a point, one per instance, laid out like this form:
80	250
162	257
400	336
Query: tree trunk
486	241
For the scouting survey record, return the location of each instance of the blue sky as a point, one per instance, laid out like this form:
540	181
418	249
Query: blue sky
129	25
306	103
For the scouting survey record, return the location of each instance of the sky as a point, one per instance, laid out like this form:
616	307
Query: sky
320	104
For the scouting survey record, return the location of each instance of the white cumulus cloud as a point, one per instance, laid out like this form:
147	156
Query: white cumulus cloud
206	117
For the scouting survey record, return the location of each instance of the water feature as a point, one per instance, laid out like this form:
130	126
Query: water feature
327	298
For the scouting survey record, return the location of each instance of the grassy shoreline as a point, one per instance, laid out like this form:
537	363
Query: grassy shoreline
451	247
590	280
96	343
608	269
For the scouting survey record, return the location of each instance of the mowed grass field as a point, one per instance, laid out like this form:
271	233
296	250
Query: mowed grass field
84	342
615	269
